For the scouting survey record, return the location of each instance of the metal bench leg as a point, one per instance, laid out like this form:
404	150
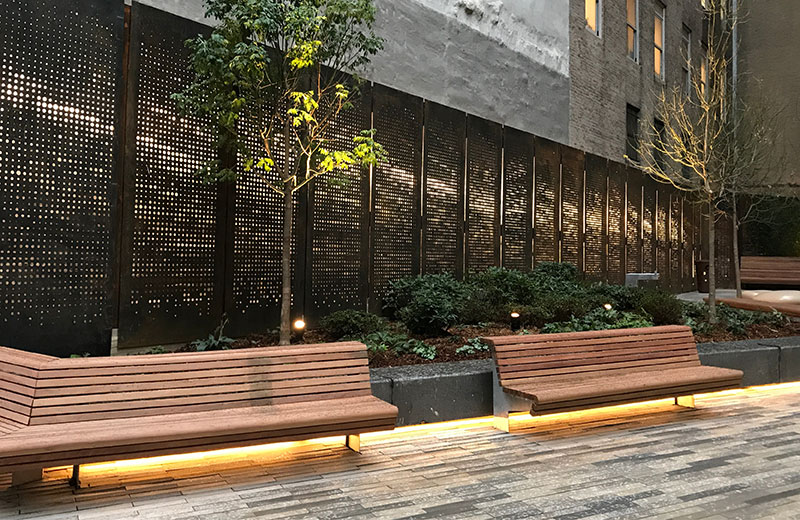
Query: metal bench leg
353	442
75	480
25	476
685	401
503	404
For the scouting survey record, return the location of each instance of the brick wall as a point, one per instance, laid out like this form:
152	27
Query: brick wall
603	79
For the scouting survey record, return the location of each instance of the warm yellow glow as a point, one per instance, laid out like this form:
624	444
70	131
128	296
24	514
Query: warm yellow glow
420	429
299	324
515	315
607	306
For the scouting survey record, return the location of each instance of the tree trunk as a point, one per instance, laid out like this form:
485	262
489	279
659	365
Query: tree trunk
712	260
737	266
286	252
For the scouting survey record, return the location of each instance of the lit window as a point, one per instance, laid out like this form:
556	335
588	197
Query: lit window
632	132
703	75
686	49
633	30
592	10
658	40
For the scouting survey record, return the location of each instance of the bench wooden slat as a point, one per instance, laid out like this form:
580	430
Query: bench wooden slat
591	346
589	336
789	309
770	270
601	353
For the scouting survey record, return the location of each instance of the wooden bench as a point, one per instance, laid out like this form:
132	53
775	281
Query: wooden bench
61	412
770	270
788	309
549	373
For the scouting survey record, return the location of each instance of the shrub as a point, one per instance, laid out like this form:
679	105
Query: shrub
695	315
399	344
473	346
663	307
350	323
554	276
600	319
426	304
737	321
620	297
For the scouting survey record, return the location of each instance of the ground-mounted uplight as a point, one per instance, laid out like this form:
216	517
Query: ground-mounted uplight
607	306
515	321
299	325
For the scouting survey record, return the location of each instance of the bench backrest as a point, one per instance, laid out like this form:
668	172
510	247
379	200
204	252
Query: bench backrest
582	354
18	373
85	389
771	270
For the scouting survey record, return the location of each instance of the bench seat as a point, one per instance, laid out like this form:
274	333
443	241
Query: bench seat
626	387
102	440
770	270
549	373
56	412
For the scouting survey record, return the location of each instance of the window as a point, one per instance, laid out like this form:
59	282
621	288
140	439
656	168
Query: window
661	138
632	131
593	9
704	75
633	30
658	40
686	49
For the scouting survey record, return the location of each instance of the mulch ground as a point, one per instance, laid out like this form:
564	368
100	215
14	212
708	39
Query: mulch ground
457	337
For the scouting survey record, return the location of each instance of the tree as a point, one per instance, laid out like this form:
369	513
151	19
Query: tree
284	69
708	142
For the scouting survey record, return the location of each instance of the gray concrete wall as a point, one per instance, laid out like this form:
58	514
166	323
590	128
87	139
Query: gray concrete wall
504	60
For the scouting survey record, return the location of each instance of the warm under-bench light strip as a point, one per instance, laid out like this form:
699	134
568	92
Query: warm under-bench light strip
409	430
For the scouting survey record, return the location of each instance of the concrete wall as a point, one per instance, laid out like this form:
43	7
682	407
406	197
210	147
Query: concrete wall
770	72
604	79
504	60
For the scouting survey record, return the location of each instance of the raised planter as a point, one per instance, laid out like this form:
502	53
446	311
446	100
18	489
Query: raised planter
463	389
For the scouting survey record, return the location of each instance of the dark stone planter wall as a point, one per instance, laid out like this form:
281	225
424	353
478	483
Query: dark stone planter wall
463	389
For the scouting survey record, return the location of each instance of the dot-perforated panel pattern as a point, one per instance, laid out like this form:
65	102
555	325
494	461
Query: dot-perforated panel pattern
571	206
546	193
172	266
616	222
594	237
255	268
517	199
662	235
443	199
724	253
649	226
687	245
484	164
675	240
339	222
397	118
60	89
633	240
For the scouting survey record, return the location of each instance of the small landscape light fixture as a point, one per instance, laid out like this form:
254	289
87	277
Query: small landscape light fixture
607	306
515	321
299	324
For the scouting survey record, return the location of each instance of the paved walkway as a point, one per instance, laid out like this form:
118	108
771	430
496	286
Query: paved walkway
736	456
698	296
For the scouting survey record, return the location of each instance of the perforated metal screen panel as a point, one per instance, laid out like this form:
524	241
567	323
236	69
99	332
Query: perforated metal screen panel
443	197
254	241
60	89
649	226
172	270
546	193
616	222
662	236
571	206
633	238
484	165
397	117
724	233
339	223
675	241
594	238
687	245
517	199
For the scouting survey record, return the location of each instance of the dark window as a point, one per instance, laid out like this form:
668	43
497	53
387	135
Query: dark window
661	138
632	132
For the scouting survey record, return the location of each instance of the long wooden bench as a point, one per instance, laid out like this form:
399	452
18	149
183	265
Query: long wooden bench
770	270
748	304
549	373
57	412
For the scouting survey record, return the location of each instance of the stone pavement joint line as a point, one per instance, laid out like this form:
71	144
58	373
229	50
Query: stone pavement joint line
732	457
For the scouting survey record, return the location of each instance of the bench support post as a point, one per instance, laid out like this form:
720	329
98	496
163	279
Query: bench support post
685	401
353	442
504	404
75	480
26	476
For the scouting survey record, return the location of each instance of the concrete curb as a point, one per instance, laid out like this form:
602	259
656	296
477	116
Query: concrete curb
463	389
